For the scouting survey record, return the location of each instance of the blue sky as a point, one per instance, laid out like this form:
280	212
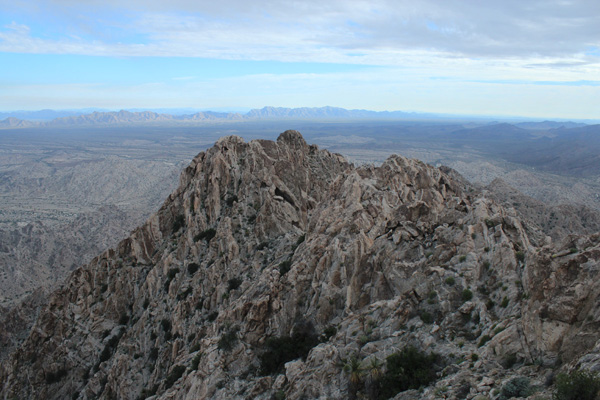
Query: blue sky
535	58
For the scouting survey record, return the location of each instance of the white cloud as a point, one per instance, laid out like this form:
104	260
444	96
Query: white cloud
327	30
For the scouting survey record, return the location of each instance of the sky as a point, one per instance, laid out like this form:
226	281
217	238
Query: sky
534	58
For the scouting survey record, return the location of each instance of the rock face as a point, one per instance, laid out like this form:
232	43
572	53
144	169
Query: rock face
271	239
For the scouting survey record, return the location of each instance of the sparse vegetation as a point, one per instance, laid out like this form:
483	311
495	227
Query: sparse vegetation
174	375
178	223
234	283
483	340
516	387
228	340
504	303
196	361
450	281
328	333
207	235
466	295
56	376
408	369
578	385
279	350
284	267
426	317
192	268
520	256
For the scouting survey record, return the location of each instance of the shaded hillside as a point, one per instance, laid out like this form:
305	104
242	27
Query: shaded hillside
557	221
270	245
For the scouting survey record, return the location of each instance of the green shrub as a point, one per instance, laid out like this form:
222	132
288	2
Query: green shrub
196	361
520	256
466	295
192	268
408	369
516	387
207	235
284	267
153	353
279	350
426	317
231	199
462	258
234	283
450	281
166	324
170	275
504	303
228	340
509	360
578	385
328	333
56	376
178	223
124	319
212	316
483	340
175	374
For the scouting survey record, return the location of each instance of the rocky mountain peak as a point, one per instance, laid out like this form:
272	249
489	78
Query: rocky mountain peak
276	264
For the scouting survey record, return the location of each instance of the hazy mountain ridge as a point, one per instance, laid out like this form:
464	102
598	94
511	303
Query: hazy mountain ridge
262	238
265	113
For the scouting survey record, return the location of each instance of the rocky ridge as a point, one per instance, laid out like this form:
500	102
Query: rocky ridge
271	239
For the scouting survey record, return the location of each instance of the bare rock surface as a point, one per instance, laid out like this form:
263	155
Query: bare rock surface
263	240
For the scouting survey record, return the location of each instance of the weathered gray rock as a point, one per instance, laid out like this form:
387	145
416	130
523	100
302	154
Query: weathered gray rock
264	239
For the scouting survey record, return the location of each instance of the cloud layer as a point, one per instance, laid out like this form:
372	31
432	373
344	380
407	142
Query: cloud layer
370	32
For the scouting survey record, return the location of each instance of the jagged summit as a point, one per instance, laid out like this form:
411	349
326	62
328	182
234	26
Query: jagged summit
270	243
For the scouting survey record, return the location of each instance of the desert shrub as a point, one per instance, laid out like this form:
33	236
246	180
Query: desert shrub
175	374
262	246
153	353
212	316
185	293
466	295
504	303
279	350
196	361
178	223
124	319
165	324
516	387
231	199
228	340
520	256
284	267
483	340
56	376
192	268
328	333
426	317
207	235
234	283
408	369
509	360
462	258
578	385
170	275
450	281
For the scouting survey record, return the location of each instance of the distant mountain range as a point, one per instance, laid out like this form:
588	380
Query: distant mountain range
51	118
